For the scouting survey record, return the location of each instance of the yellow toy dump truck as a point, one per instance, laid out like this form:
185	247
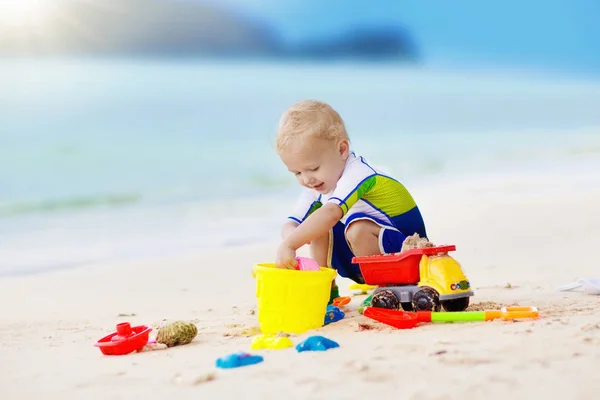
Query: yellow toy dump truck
424	279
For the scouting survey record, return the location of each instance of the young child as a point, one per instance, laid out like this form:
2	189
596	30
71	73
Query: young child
347	207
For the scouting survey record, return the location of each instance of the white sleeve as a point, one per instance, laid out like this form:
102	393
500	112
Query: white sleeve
356	181
305	205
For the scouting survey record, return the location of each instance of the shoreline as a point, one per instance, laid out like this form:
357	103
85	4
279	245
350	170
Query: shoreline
531	183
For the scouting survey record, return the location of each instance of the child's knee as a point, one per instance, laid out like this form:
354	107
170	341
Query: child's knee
362	231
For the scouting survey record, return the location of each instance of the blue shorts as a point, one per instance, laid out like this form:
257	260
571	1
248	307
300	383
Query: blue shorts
390	241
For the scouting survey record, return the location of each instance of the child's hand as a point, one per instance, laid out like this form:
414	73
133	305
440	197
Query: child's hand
286	257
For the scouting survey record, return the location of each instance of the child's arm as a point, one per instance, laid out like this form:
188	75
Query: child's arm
287	228
316	225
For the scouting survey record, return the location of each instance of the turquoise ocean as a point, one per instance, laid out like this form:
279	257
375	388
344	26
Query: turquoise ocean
105	160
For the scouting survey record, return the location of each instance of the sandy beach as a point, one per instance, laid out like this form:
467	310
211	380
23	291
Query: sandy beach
517	236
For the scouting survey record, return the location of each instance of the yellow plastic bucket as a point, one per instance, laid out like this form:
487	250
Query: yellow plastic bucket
291	301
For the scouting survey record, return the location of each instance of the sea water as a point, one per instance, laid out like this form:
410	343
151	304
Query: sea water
105	160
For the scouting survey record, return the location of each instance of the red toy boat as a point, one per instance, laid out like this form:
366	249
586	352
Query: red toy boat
125	340
397	268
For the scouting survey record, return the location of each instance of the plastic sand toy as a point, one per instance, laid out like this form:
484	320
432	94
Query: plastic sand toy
365	303
125	340
341	301
588	285
307	264
236	360
407	320
316	343
273	342
333	314
397	319
291	301
423	279
362	287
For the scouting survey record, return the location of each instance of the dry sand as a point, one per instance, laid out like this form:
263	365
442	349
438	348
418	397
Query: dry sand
517	237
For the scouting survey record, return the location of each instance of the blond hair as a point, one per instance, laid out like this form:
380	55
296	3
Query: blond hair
310	118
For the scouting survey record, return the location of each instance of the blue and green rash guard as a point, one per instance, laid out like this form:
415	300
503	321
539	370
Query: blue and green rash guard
364	192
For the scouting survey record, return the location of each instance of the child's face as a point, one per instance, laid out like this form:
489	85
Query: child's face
317	163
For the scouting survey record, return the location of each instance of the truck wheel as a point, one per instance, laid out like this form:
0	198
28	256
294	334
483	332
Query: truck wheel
460	304
426	299
385	299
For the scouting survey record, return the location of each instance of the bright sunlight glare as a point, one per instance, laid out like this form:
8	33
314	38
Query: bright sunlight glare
23	14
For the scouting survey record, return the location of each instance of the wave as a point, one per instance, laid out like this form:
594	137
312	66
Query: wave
67	204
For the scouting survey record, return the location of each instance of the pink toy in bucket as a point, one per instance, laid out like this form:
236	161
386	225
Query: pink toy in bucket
307	264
